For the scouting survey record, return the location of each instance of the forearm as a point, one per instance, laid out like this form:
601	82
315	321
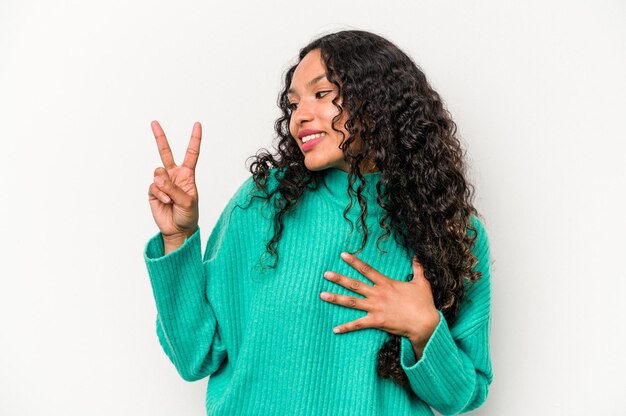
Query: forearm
186	324
453	370
452	375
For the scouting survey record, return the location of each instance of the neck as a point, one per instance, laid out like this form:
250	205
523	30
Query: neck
368	165
335	181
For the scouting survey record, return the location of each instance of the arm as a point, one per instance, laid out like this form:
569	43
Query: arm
454	371
184	315
186	324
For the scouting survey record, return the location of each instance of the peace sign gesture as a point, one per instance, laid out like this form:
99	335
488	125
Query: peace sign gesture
401	308
173	194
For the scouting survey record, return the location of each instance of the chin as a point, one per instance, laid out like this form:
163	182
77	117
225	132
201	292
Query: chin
317	166
320	161
313	167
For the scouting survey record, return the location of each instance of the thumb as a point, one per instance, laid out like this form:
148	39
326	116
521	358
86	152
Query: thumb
418	269
416	263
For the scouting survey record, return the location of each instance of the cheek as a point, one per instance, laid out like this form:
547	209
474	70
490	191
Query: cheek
328	113
339	124
292	128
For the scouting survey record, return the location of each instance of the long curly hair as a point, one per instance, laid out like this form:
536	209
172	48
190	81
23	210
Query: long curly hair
409	137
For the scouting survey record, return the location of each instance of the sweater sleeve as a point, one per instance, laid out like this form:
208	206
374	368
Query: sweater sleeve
454	372
186	324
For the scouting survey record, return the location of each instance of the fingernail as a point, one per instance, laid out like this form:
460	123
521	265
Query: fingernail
345	256
324	295
159	181
336	330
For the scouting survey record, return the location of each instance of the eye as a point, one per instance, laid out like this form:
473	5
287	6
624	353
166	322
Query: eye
292	106
321	92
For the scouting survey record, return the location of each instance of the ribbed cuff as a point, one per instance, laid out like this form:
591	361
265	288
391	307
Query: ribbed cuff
440	377
186	324
155	248
177	274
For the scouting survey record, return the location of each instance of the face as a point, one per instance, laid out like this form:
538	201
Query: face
310	97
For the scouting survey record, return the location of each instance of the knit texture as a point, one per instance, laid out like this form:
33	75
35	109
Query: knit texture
265	337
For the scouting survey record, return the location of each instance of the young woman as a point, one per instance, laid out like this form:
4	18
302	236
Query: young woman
304	303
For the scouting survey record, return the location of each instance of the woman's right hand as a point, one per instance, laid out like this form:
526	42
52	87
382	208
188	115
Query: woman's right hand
173	194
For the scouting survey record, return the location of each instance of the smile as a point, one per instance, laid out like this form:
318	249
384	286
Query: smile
312	136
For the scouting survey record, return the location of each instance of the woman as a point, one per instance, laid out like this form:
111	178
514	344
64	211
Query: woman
409	316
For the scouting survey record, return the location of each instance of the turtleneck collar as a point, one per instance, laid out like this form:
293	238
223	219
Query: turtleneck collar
335	181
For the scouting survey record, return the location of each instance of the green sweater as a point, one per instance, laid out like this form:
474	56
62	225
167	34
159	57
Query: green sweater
265	337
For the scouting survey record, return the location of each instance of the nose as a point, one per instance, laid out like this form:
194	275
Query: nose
302	113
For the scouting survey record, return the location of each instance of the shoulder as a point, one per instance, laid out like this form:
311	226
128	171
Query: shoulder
481	246
475	306
481	289
248	189
244	191
479	224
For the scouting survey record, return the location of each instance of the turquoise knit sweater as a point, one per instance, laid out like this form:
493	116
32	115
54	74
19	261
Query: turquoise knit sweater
265	337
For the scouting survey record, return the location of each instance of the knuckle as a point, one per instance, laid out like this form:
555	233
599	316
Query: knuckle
186	204
365	268
358	325
379	322
351	302
165	150
384	284
155	191
166	185
355	284
384	298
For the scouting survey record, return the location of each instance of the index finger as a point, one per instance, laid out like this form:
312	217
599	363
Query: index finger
363	268
193	150
164	148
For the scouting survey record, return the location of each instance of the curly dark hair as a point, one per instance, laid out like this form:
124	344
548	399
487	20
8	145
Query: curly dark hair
409	136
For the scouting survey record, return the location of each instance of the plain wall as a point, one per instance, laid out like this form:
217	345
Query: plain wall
537	90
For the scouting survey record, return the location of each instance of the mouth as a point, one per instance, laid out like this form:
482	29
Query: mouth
307	132
313	136
308	142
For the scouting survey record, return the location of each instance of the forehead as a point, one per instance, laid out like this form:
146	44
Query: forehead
309	68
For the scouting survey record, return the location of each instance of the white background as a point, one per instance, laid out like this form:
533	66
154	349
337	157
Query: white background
536	88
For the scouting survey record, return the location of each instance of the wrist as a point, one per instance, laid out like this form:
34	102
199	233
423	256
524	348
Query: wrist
174	241
180	236
427	328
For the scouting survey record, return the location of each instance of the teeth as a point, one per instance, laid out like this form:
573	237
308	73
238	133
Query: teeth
312	136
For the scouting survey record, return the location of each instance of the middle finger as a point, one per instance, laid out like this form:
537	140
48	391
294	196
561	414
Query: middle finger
363	268
193	150
349	283
348	301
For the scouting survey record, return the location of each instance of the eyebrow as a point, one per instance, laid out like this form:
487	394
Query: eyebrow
309	84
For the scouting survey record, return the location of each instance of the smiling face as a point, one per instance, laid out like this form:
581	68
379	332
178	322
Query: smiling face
310	96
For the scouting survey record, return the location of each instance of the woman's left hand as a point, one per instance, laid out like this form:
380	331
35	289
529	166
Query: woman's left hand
401	308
